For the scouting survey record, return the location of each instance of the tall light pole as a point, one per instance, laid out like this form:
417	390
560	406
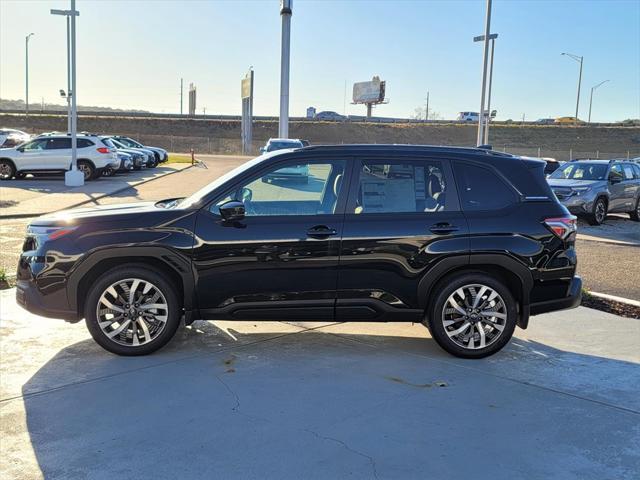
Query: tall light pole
73	177
285	13
579	60
480	38
69	93
485	61
591	96
181	96
426	112
26	74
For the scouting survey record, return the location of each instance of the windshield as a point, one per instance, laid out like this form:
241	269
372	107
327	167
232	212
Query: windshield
581	171
281	145
204	191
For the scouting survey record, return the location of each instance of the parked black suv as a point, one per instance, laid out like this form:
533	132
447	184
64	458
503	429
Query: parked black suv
470	242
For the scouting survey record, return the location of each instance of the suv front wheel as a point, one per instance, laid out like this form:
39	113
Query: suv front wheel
132	311
473	315
599	213
635	214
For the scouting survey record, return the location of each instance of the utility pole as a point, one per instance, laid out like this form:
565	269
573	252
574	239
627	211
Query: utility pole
181	90
285	13
26	76
591	97
485	62
73	177
68	74
486	127
580	60
426	112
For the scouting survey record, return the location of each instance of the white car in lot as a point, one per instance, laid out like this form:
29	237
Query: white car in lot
52	154
10	137
468	117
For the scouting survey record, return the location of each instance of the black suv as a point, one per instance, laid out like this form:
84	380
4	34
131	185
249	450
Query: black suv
468	241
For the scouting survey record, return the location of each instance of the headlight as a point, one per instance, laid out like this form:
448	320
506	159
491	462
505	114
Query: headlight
580	190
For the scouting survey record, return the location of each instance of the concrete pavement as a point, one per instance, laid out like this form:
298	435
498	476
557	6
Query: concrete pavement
321	401
37	196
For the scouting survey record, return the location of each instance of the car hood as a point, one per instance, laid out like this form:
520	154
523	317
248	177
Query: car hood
570	183
77	216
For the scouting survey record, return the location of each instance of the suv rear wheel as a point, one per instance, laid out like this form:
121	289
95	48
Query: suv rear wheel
635	214
473	315
599	213
87	169
7	170
132	311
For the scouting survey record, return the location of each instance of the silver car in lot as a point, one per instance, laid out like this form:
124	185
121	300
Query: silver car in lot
593	188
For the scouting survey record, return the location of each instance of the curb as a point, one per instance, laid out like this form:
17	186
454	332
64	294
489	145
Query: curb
613	298
84	202
611	241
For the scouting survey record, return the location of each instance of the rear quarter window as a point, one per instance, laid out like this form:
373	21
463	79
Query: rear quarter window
481	188
84	143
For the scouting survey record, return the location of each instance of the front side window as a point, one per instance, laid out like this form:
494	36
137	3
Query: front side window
291	189
482	189
616	172
39	144
401	186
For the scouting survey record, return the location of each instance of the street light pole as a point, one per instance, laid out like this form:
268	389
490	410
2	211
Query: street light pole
488	120
73	177
578	59
485	62
480	38
591	97
285	13
426	112
26	76
68	76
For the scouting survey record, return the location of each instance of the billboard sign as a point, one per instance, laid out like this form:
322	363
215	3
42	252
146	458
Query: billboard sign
369	92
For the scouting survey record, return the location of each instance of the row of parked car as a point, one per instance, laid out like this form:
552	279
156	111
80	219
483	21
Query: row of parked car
50	153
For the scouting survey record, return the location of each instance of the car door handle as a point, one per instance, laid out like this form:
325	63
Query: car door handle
443	228
321	231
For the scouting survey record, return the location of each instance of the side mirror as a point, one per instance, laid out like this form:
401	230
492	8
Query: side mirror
232	211
614	179
20	149
263	150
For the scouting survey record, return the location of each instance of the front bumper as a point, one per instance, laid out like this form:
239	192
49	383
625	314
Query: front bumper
32	300
42	295
572	300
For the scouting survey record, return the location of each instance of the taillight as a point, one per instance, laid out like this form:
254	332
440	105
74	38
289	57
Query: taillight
562	226
104	150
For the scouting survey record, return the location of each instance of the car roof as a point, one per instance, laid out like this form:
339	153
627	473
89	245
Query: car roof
406	148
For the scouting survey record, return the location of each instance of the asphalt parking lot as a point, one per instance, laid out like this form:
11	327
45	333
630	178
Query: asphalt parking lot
324	401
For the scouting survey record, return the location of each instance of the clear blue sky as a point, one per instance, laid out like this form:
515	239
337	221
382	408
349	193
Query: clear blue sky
133	53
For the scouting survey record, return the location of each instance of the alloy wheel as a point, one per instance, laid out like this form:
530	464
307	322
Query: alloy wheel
85	169
474	316
5	171
132	312
600	211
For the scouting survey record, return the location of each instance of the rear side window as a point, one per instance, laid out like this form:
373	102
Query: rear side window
58	143
628	172
481	188
402	186
83	143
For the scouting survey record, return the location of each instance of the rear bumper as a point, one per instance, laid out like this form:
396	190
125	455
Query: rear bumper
572	300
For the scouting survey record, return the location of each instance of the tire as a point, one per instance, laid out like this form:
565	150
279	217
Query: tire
151	332
635	214
87	169
494	331
152	164
599	213
108	172
7	170
139	167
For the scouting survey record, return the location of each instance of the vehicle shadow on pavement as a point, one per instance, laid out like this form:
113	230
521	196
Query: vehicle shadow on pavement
241	400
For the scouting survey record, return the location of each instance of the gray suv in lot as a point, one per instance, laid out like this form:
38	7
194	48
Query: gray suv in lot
593	188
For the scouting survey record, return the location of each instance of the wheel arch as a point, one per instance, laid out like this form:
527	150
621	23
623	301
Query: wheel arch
10	160
515	276
176	268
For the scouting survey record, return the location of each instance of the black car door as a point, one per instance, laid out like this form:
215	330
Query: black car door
402	217
280	260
